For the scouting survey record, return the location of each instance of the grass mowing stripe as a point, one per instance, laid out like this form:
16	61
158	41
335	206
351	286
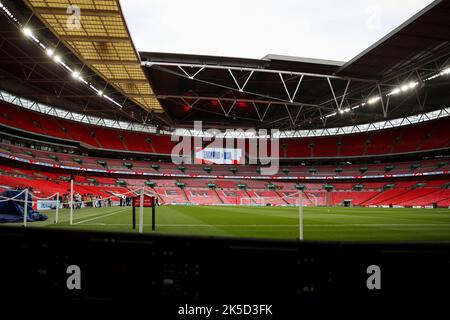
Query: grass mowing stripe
368	224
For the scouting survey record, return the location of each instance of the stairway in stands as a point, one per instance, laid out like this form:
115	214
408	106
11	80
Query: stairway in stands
308	200
149	141
370	200
218	196
122	142
185	195
281	196
160	198
388	198
248	195
92	134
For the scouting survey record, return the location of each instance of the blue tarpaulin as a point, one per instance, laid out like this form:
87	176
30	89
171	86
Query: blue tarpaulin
12	211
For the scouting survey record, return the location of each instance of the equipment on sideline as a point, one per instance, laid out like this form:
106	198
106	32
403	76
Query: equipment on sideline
17	205
141	201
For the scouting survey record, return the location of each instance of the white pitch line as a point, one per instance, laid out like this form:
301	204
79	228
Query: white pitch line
102	216
283	225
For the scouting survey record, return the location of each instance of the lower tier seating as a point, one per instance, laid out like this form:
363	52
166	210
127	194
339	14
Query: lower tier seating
419	193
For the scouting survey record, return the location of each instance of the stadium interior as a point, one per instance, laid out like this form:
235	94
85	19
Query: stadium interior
118	160
83	106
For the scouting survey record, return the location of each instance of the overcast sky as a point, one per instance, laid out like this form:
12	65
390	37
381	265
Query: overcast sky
326	29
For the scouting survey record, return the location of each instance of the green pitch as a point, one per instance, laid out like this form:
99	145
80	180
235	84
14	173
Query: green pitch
352	224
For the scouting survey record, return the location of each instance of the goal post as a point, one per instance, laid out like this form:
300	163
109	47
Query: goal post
300	214
297	199
258	201
287	201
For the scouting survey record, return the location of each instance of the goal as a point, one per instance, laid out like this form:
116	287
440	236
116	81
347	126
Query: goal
308	200
277	201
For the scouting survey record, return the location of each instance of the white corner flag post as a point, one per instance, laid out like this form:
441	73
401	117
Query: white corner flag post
71	202
57	208
25	208
141	212
300	214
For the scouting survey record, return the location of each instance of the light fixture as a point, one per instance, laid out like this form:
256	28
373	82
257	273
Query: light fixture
27	31
373	100
396	91
411	85
76	74
57	59
50	52
82	80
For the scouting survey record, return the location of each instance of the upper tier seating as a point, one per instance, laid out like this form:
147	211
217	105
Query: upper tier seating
418	137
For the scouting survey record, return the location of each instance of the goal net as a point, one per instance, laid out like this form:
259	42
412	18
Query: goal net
293	200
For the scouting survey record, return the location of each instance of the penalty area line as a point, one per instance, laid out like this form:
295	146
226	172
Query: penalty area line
102	216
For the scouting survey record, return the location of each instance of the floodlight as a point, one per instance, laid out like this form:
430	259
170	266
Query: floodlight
57	59
396	91
412	84
373	100
27	31
50	52
76	74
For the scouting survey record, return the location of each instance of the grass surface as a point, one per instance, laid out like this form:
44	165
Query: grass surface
352	224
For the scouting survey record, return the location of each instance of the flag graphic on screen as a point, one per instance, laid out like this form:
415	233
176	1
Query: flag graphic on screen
218	156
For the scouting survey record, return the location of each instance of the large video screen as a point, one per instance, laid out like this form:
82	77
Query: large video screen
210	155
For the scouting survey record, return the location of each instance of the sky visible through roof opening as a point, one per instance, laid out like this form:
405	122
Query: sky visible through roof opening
322	29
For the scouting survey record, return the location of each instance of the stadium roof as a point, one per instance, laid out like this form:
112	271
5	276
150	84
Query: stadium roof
298	93
423	36
38	64
102	42
403	74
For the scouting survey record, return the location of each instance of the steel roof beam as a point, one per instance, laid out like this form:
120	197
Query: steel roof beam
95	39
87	12
281	103
232	68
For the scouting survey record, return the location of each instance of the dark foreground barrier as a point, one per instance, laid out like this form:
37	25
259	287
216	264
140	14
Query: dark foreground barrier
172	274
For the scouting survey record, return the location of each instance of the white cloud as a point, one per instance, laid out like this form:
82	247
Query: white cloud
327	29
